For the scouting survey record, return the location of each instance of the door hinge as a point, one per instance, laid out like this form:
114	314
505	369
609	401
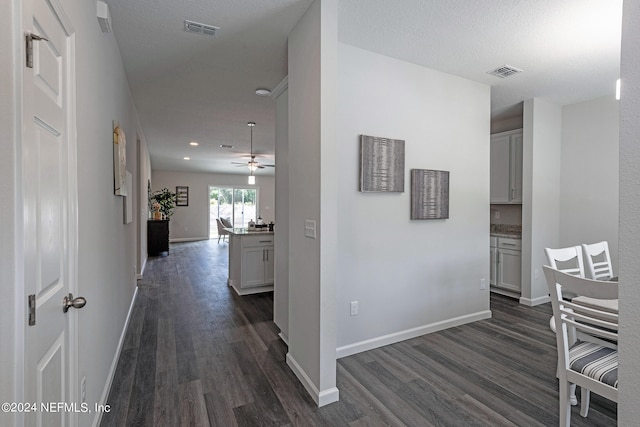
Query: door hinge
30	38
32	309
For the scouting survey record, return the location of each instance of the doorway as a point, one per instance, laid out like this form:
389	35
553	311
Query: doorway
237	204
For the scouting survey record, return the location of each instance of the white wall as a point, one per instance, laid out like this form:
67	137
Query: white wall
107	247
506	124
589	174
629	371
406	274
192	222
312	189
542	132
281	284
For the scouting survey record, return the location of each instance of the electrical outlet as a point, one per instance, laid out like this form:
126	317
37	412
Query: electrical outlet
186	229
83	389
497	214
354	308
482	284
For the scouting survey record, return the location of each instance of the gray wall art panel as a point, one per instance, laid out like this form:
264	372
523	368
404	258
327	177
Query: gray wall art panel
381	164
429	194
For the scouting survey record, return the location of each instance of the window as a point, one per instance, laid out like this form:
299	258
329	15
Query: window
240	205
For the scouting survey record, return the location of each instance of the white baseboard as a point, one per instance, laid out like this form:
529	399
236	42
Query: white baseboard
105	392
284	338
506	293
187	239
321	398
535	301
395	337
144	265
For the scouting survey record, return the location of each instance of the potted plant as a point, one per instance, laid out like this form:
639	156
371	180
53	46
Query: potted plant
164	201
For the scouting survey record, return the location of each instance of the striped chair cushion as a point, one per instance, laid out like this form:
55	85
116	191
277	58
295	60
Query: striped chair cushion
595	361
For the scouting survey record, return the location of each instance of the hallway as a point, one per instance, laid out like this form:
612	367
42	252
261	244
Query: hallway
196	354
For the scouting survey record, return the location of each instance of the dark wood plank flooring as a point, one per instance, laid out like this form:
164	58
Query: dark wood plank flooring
196	354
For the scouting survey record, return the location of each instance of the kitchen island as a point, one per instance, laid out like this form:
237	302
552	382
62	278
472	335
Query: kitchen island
251	267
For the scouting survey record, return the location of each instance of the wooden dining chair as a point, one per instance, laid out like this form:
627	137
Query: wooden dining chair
597	261
592	364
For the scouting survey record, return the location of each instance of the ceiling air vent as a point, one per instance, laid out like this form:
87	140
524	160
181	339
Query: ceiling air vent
198	28
504	71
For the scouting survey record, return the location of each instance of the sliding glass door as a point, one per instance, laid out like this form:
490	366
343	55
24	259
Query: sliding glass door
238	205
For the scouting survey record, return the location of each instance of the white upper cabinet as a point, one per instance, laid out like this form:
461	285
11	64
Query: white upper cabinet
506	167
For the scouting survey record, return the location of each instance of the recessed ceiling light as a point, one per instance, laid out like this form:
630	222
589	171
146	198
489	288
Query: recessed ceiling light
226	146
263	92
195	144
187	158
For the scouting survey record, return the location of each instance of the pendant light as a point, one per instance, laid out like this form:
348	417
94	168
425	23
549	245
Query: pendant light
252	163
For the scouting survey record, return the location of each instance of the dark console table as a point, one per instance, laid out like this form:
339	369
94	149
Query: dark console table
157	237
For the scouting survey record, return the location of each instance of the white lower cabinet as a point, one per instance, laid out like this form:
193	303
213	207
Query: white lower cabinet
509	270
251	266
257	266
506	264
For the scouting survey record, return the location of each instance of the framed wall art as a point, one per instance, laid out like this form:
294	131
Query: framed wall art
429	194
119	160
381	164
182	196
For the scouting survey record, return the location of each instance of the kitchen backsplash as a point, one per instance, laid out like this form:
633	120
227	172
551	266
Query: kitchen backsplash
506	214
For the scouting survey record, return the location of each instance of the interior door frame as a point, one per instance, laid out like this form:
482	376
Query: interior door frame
18	312
22	26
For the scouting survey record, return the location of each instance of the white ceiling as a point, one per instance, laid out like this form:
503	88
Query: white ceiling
189	87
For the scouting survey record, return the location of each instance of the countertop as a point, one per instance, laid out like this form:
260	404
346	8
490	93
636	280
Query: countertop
504	230
511	236
246	231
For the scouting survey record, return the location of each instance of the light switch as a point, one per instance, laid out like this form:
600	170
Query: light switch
310	229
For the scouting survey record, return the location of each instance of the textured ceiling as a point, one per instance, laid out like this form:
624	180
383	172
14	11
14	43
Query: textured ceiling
189	87
569	49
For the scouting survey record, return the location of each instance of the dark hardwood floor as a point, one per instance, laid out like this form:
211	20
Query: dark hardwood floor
196	354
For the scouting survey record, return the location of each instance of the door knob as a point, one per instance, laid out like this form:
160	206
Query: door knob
69	301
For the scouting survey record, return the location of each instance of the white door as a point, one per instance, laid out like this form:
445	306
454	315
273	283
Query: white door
500	186
269	271
509	270
50	209
252	267
493	266
516	169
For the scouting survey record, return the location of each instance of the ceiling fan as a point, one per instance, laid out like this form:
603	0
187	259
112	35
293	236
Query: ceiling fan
253	164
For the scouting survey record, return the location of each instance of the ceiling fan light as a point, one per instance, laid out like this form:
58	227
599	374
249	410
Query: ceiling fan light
252	179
